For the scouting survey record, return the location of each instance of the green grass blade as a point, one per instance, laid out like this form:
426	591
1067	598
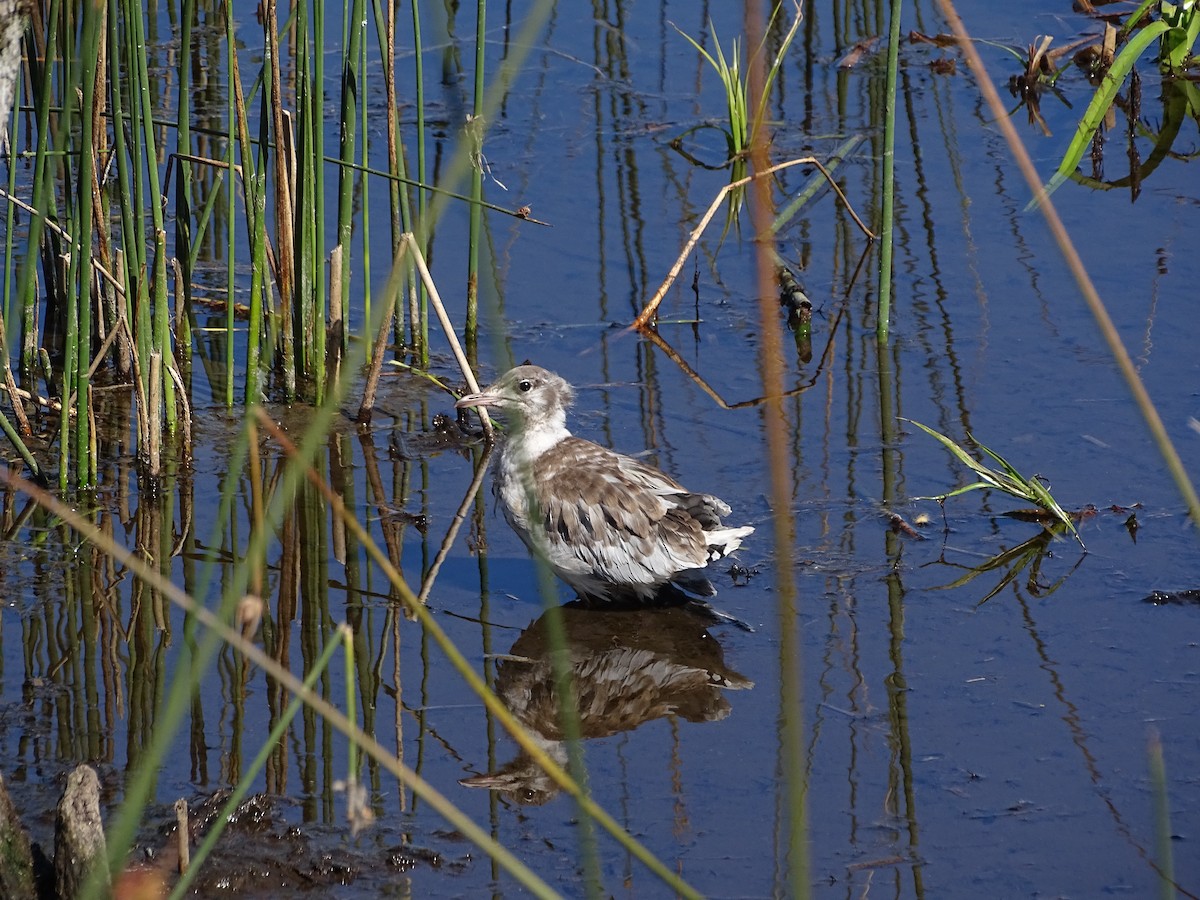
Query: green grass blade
1101	101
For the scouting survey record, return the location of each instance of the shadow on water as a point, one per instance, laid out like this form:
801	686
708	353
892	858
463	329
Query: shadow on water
627	668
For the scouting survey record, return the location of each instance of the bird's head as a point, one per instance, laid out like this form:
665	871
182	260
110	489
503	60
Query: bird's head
538	398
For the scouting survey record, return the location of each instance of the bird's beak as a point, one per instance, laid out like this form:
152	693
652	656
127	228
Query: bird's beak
480	399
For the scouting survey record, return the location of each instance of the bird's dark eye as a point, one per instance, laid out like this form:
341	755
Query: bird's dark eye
525	386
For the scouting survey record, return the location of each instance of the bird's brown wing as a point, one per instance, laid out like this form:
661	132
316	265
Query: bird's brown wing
616	515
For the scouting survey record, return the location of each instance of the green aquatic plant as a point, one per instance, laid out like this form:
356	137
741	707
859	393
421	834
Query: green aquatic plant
745	124
1176	28
1007	480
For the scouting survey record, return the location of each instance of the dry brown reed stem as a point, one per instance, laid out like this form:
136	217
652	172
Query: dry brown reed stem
447	326
367	407
153	413
18	407
232	636
648	311
460	516
283	180
247	147
185	418
776	431
1086	287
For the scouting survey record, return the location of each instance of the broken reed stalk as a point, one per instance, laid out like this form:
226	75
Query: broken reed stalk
153	415
183	829
651	306
18	407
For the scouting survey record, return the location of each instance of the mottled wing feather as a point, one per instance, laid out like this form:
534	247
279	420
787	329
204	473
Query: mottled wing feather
616	516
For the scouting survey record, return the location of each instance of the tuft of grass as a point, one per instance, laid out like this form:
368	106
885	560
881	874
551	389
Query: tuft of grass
1007	480
744	123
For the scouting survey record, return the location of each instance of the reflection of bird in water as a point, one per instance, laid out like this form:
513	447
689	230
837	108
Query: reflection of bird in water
610	526
627	667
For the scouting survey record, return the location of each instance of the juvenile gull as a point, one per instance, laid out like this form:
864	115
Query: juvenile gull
611	527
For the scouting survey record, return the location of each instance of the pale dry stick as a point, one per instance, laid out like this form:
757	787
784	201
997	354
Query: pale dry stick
38	399
447	326
67	239
318	704
648	311
460	516
501	713
1086	287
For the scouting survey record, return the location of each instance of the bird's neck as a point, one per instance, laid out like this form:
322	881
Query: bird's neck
533	438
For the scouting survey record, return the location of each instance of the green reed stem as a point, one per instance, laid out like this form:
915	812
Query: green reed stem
70	304
254	190
366	193
883	310
423	227
310	279
81	261
317	187
162	314
132	280
42	81
183	168
259	286
398	207
351	704
17	442
351	85
230	219
11	213
471	324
